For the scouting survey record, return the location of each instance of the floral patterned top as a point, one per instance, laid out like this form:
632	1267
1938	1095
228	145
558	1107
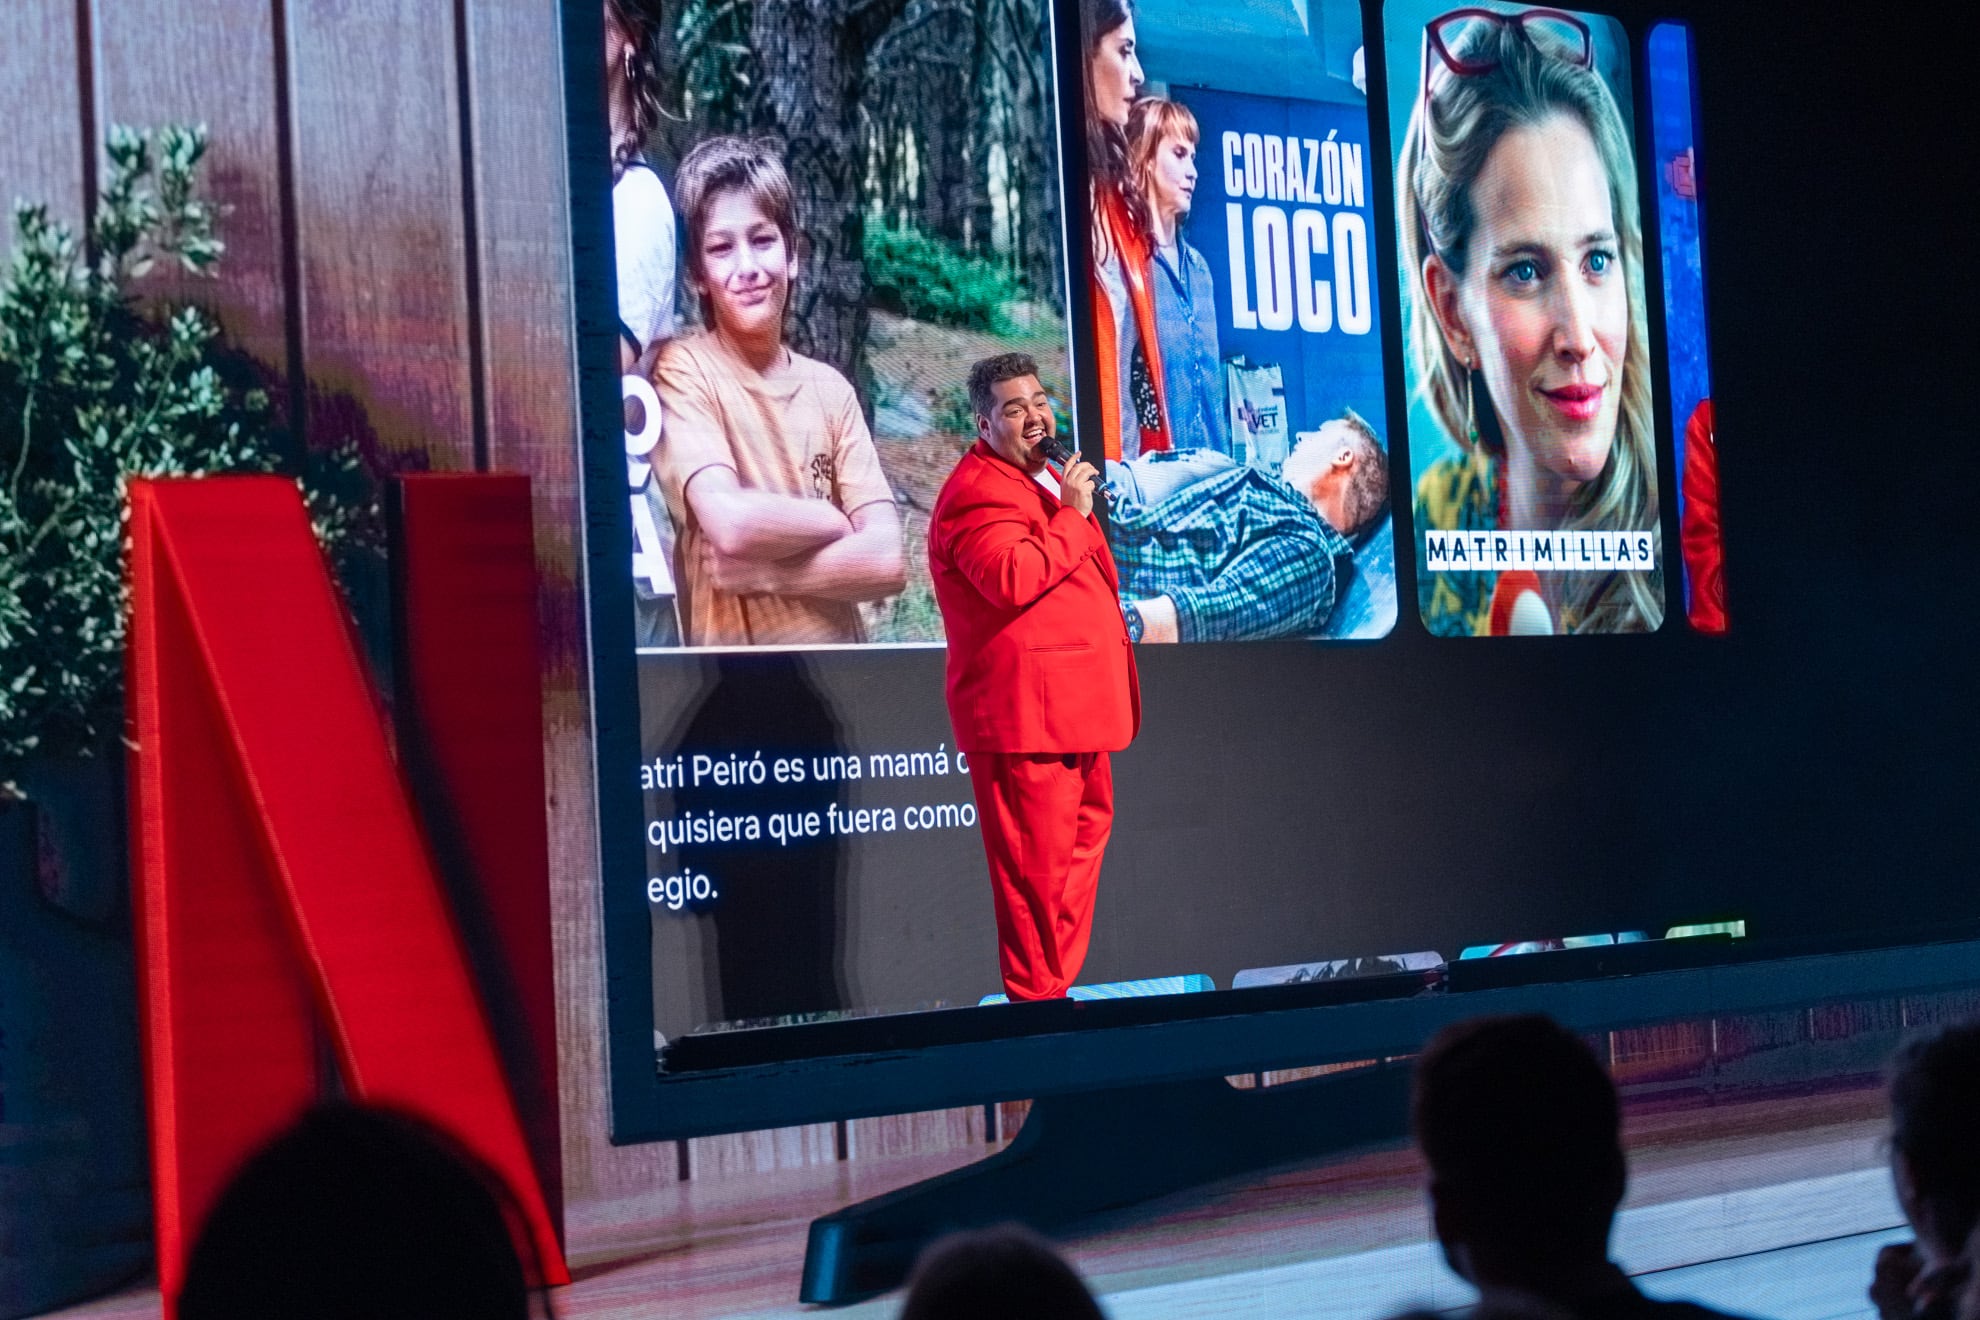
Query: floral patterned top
1457	494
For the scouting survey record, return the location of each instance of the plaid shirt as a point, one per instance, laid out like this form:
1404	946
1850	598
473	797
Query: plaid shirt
1241	554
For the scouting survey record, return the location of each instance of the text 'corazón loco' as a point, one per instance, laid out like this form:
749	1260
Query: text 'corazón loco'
1297	264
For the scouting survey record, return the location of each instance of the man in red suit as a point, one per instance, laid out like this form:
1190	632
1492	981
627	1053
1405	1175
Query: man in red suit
1041	680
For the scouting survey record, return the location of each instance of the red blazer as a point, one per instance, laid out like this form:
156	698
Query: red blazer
1039	657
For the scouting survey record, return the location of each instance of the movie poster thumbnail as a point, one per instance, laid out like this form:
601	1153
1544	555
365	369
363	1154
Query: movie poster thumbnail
1531	432
801	292
1680	221
1237	335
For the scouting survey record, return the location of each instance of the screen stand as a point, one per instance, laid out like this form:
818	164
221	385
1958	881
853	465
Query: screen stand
1103	1150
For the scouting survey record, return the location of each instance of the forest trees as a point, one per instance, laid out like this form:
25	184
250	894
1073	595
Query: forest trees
934	115
810	90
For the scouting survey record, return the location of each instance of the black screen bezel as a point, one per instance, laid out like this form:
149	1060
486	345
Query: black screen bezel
890	1073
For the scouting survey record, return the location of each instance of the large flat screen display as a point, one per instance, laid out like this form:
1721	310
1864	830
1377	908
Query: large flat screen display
1387	329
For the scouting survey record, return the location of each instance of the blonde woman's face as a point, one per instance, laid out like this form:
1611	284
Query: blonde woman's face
1544	300
744	266
1114	73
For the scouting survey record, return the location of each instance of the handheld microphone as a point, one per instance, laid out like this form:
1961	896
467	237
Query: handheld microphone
1055	451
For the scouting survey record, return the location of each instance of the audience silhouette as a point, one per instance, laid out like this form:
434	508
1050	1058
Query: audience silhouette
1521	1130
1966	1301
362	1211
1005	1273
1935	1165
358	1212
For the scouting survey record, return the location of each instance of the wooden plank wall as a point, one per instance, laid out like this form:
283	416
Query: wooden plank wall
398	260
42	158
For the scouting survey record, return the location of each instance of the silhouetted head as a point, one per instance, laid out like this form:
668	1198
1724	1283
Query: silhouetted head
353	1213
996	1274
1935	1149
1520	1127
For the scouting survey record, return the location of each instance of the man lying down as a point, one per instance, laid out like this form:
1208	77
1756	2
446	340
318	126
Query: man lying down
1212	550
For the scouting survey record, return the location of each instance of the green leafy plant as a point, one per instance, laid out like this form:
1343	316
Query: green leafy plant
96	389
921	276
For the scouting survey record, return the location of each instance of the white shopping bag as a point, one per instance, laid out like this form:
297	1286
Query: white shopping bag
1256	399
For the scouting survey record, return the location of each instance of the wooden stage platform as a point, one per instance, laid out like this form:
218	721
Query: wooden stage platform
1770	1207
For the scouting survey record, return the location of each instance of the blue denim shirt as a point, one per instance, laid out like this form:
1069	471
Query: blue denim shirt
1193	372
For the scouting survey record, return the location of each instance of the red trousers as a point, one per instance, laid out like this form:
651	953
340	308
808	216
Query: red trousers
1045	819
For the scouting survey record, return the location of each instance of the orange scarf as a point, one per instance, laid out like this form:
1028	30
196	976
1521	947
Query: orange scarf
1132	246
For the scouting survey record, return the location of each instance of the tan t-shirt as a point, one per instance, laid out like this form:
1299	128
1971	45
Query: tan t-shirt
796	430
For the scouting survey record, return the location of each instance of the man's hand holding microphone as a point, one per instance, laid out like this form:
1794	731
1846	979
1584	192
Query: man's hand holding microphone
1078	479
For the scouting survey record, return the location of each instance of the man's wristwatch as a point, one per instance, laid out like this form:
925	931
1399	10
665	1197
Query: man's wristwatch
1135	626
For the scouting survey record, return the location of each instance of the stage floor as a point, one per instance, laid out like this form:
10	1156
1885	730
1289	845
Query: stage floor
1769	1207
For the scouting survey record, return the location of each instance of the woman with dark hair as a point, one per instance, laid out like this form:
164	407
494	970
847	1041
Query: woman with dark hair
1119	234
645	250
642	213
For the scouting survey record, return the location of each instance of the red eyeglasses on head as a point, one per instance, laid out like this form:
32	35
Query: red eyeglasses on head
1555	33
